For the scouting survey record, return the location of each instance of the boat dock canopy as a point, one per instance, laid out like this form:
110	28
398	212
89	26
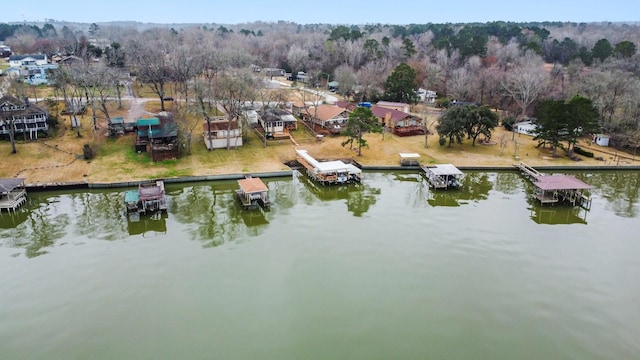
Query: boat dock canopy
12	193
252	185
551	189
253	193
8	184
409	159
559	182
443	176
149	198
326	167
329	172
443	169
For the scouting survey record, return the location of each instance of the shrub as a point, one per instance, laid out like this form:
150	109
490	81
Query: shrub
53	121
508	122
88	152
579	150
443	102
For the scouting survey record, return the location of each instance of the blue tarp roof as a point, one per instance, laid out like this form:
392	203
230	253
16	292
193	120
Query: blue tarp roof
131	196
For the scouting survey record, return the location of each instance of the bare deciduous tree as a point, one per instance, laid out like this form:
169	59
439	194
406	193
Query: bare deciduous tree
232	91
149	61
297	57
526	82
346	78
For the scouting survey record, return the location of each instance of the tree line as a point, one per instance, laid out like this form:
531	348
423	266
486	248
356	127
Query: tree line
503	65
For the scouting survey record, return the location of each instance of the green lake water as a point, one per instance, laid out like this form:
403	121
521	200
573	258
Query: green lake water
387	269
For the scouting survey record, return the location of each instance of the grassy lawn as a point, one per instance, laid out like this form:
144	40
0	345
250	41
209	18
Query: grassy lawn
146	91
59	157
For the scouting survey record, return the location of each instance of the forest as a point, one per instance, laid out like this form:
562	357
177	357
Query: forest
511	67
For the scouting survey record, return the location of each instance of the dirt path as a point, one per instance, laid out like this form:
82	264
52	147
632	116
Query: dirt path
136	109
74	157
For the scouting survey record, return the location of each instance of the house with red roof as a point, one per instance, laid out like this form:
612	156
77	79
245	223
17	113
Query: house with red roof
400	122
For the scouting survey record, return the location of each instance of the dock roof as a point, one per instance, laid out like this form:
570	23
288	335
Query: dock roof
151	190
324	167
336	165
443	169
252	185
131	196
559	182
8	184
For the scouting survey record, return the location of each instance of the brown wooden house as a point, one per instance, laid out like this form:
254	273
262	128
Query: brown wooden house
158	136
400	122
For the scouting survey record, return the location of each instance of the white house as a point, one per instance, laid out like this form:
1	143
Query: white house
19	61
277	121
526	127
215	133
428	96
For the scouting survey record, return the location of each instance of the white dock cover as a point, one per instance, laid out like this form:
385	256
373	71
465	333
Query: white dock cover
325	167
444	169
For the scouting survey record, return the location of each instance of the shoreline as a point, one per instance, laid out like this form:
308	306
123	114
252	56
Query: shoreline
36	187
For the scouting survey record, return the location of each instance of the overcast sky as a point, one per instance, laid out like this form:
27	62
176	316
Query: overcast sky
322	11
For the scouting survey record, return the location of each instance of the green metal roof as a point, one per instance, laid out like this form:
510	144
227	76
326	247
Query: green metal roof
148	122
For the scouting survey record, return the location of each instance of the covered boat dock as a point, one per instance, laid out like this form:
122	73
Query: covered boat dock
329	172
552	189
443	176
12	193
253	193
149	198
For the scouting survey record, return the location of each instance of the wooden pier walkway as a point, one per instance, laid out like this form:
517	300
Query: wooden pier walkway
528	171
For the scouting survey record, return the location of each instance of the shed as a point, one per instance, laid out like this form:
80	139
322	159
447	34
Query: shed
116	125
409	159
601	139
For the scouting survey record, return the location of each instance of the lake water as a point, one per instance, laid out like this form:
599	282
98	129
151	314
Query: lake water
384	270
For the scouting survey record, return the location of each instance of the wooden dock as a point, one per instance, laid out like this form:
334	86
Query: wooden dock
552	189
529	172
